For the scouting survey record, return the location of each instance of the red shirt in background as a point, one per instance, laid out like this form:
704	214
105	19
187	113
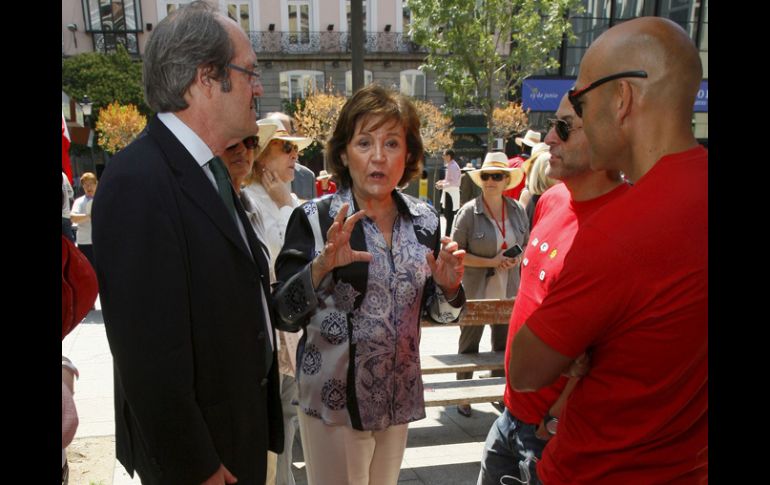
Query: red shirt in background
515	192
330	189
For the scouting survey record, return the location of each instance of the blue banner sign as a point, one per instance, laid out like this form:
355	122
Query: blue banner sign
702	99
545	94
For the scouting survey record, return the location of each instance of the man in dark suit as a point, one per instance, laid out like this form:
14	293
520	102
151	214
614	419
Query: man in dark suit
184	280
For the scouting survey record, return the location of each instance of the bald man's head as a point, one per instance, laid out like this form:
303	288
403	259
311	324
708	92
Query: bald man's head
622	116
655	45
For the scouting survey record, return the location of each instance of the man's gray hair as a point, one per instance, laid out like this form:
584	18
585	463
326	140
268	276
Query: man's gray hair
188	38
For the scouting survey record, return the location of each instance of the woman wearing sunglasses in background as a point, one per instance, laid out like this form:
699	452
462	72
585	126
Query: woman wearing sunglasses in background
486	227
269	186
269	183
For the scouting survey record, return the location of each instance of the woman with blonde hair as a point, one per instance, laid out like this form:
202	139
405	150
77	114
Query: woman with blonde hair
537	180
269	183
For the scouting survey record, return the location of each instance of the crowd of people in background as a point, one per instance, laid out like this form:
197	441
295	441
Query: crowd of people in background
246	297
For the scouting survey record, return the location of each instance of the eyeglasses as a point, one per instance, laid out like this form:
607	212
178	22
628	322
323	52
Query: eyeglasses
494	176
574	94
254	75
562	128
250	142
288	146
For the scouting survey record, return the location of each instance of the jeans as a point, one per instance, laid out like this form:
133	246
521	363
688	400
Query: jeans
510	453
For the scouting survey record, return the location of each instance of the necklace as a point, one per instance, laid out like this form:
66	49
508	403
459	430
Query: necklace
501	228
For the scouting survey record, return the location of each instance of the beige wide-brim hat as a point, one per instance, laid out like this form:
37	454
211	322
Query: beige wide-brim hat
274	130
531	139
468	167
497	162
323	174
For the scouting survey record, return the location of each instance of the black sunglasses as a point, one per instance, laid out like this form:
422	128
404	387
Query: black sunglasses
562	128
288	146
494	176
574	94
250	142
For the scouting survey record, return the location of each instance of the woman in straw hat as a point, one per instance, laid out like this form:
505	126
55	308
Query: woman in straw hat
358	286
485	227
269	183
269	188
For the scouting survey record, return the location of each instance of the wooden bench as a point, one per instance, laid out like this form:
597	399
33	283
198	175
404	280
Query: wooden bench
445	393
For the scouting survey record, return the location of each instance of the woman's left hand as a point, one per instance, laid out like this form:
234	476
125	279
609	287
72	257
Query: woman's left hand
448	270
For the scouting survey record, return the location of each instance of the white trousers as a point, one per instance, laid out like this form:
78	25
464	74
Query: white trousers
337	455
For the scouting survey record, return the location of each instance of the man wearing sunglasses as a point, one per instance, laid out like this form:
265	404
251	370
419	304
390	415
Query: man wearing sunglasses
633	291
183	278
530	418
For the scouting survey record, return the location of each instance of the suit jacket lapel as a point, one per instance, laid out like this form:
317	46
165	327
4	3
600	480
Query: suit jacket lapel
194	182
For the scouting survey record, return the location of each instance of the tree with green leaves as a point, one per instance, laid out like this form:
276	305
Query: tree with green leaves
482	50
105	78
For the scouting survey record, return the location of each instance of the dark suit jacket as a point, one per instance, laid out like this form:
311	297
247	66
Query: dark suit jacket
184	318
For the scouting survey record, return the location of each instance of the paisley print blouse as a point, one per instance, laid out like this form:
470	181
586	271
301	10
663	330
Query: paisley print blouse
359	361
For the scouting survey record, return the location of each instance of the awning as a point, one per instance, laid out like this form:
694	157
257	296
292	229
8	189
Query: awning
470	130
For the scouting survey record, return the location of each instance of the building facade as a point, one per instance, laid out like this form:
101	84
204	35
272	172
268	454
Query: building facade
304	45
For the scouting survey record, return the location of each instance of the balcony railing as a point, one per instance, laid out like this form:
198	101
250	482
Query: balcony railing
330	42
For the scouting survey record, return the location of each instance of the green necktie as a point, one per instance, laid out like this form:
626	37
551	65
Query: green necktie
223	184
222	176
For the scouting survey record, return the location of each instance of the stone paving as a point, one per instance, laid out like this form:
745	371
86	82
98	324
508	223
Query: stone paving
444	448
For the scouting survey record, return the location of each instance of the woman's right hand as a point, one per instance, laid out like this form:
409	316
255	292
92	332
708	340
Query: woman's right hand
504	262
278	191
337	251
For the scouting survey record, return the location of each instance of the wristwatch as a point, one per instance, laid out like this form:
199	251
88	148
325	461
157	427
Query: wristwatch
550	423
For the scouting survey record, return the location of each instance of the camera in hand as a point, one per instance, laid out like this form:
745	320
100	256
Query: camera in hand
513	251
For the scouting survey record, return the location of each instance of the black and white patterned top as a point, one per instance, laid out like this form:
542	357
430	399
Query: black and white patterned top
363	322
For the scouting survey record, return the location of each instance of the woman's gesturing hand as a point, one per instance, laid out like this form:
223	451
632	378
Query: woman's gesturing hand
337	251
448	270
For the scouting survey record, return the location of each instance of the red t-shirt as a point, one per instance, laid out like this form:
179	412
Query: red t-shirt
330	189
634	293
557	218
515	192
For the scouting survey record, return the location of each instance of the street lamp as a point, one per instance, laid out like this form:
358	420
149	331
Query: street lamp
87	105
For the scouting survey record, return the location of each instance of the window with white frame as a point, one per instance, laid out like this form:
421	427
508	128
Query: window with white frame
349	81
299	21
113	22
413	83
300	84
364	8
241	13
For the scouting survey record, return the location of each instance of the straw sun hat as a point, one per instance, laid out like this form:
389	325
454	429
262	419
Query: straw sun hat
271	129
497	162
531	139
